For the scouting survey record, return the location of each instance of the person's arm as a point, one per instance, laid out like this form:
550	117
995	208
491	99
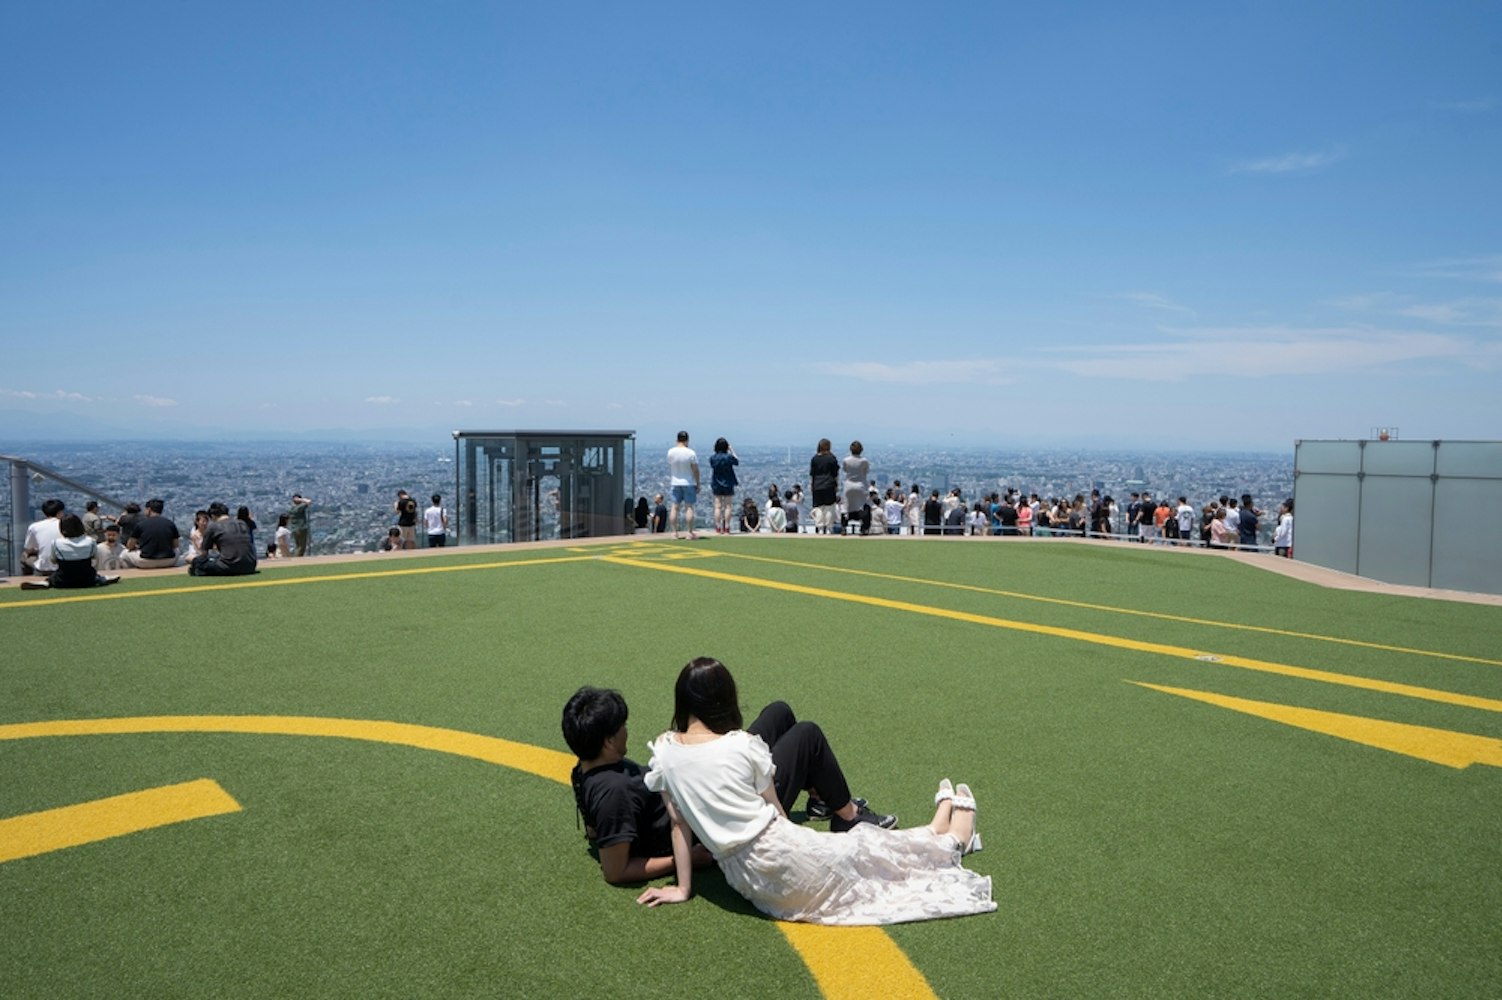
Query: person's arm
696	474
770	794
682	865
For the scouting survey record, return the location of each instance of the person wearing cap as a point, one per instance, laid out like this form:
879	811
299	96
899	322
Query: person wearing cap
154	540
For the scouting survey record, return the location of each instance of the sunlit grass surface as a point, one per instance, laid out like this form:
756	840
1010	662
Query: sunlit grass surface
1140	843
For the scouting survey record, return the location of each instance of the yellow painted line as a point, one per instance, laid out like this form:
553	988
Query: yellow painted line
1111	609
1438	746
89	822
542	762
1119	642
853	963
239	584
830	949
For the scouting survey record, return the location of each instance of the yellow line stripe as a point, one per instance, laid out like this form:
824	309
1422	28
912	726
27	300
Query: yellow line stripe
853	963
88	822
544	763
1159	615
1438	746
1181	652
826	951
234	584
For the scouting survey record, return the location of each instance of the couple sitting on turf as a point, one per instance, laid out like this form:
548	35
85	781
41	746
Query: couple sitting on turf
730	788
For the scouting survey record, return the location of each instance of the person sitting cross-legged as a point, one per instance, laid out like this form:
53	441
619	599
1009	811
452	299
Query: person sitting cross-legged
74	555
227	547
629	825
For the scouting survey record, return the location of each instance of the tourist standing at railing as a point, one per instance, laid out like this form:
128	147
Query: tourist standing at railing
857	489
1184	514
1283	533
824	485
1221	535
1246	525
1232	518
299	525
683	481
722	484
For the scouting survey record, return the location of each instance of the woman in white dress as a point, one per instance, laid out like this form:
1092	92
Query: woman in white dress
716	780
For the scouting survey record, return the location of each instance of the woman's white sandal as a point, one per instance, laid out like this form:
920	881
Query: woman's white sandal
945	793
964	800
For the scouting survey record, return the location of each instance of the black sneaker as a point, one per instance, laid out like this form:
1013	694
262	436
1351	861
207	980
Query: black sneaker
816	809
862	815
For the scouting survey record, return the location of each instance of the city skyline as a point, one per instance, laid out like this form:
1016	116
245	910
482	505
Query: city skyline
1088	226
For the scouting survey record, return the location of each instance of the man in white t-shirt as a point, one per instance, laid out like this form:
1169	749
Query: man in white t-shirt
37	557
436	520
683	478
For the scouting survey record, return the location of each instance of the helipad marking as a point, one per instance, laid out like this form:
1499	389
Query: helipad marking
832	954
1180	652
1158	615
1438	746
237	584
88	822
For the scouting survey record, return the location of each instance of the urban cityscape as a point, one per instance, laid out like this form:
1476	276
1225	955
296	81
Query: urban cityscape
353	486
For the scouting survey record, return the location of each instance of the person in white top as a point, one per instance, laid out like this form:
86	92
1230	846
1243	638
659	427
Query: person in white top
436	520
1283	533
37	557
716	780
683	478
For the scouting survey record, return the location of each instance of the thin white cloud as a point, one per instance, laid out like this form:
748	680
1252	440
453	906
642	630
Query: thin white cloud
979	370
1152	300
463	403
148	400
1262	352
381	400
1486	269
511	402
1289	163
62	394
1456	312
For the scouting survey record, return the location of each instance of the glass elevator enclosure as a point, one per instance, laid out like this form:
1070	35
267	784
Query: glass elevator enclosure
530	486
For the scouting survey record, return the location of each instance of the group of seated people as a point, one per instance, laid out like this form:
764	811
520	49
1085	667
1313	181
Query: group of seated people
66	551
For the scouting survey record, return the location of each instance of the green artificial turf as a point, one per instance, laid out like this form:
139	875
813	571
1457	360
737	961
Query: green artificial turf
1140	844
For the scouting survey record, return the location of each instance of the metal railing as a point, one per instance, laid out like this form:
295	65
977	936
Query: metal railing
25	473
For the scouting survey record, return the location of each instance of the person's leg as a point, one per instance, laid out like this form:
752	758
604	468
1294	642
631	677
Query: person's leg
805	760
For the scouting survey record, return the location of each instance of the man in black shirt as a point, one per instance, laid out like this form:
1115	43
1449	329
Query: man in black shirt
153	541
227	550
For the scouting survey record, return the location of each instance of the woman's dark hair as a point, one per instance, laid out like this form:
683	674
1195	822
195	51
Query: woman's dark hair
721	446
71	526
243	514
706	691
282	520
855	448
823	446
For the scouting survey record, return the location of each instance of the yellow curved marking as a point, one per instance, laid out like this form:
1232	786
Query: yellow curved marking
1087	606
89	822
1438	746
841	959
233	583
1162	649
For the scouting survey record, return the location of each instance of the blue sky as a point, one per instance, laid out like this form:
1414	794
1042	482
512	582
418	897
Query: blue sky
1162	225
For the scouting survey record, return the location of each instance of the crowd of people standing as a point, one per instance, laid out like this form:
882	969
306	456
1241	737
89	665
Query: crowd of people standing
843	498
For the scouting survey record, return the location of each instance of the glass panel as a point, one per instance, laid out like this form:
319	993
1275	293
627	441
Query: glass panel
1327	457
1470	458
1325	521
1398	458
1395	515
1467	542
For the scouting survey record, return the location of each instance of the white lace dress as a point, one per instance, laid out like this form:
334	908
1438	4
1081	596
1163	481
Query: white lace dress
791	872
